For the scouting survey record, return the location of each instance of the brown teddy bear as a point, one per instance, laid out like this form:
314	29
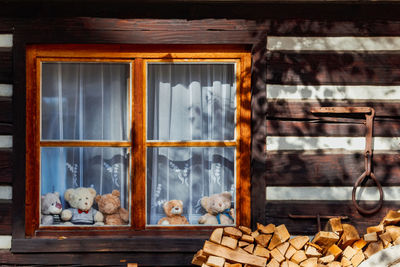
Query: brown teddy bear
110	206
218	209
173	209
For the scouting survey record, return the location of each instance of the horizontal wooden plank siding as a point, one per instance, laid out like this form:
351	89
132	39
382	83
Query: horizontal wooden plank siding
6	71
5	217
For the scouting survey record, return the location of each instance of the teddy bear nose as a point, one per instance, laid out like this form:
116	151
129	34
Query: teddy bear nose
176	208
220	204
85	203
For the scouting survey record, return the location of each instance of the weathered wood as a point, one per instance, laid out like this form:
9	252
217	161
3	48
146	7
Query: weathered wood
5	217
328	169
277	212
6	67
333	68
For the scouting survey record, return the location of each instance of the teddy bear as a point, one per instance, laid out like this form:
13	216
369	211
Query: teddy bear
173	209
110	207
218	209
81	212
50	209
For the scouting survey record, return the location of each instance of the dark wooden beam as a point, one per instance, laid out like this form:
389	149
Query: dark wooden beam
6	166
6	70
5	217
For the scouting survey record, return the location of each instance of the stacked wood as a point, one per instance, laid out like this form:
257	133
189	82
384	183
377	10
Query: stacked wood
272	246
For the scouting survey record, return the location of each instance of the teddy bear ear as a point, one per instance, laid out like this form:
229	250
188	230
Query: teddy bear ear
227	195
92	192
115	193
180	202
165	204
205	202
57	194
68	194
98	197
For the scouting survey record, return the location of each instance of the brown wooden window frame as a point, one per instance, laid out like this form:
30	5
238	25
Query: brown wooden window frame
137	55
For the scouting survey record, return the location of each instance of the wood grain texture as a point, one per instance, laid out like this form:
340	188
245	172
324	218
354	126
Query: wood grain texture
333	68
5	217
298	169
277	213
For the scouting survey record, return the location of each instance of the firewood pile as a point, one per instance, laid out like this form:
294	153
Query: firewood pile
338	245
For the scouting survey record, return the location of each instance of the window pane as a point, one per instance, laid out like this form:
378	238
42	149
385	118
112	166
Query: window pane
188	174
85	101
102	168
188	101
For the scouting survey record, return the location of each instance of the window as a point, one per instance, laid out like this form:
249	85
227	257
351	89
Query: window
155	126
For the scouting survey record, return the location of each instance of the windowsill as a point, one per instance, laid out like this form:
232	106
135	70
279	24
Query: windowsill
143	241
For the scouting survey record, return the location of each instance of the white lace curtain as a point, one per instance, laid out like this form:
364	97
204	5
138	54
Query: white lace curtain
189	102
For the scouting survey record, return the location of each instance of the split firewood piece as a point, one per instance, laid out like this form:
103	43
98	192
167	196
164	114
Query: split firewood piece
359	244
334	250
241	250
277	255
261	252
325	239
229	242
394	231
298	242
392	217
205	265
288	263
232	264
315	246
371	237
326	259
273	263
377	229
310	262
233	232
231	255
389	245
397	241
243	244
245	230
255	233
290	252
269	229
283	247
312	252
349	236
386	239
345	262
299	256
334	225
373	248
249	248
199	258
281	235
215	261
334	264
358	258
263	239
247	238
349	252
216	235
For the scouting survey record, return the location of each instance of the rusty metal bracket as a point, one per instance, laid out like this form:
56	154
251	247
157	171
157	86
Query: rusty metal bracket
369	123
318	217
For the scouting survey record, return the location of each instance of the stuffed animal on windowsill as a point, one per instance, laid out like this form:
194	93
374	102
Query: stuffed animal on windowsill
51	209
81	212
218	209
173	209
110	206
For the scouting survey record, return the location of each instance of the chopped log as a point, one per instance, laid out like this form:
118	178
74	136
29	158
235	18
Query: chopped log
349	236
205	265
310	262
232	264
326	259
315	246
394	231
392	217
389	245
349	252
249	248
221	251
291	264
299	256
215	261
312	252
229	242
358	258
216	235
334	250
345	262
245	230
325	239
243	244
273	263
269	229
334	225
261	252
277	255
263	239
397	241
373	248
233	232
386	238
283	247
334	264
247	238
298	242
241	250
281	235
359	244
371	237
255	234
376	229
199	258
290	252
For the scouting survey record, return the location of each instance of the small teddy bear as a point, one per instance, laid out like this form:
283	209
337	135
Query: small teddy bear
218	209
50	209
110	206
173	209
81	212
